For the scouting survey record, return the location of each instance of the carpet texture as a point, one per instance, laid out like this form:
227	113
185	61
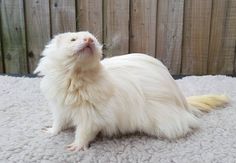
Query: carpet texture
23	112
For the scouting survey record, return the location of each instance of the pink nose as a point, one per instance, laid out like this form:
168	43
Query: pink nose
88	40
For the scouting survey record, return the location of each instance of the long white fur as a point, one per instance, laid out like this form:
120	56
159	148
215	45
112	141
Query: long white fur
118	95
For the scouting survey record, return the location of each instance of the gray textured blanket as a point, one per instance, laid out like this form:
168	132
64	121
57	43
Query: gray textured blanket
23	112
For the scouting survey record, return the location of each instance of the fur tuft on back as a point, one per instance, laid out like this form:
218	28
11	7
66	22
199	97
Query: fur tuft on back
206	103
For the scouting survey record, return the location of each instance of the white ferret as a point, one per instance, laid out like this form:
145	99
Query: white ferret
119	95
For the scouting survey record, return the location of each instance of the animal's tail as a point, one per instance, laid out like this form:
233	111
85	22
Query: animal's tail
206	103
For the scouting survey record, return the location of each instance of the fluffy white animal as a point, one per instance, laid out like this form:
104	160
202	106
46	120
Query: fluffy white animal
119	95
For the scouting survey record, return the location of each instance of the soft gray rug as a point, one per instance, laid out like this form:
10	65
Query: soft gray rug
23	112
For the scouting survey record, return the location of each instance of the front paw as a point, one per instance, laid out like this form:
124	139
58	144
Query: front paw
50	130
74	147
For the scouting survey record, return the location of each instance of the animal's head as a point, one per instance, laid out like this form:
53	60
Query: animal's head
73	50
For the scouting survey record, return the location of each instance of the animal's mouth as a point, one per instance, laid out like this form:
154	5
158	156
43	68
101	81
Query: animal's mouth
87	49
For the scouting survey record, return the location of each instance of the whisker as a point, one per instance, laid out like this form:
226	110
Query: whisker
97	34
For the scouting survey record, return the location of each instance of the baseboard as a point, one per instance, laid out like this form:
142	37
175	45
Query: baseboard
35	76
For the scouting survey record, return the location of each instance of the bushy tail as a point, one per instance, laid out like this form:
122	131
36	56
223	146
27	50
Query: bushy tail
206	103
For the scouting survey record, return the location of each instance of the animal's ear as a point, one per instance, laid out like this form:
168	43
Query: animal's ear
56	39
52	44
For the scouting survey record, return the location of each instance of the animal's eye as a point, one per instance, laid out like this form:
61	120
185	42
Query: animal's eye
73	39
